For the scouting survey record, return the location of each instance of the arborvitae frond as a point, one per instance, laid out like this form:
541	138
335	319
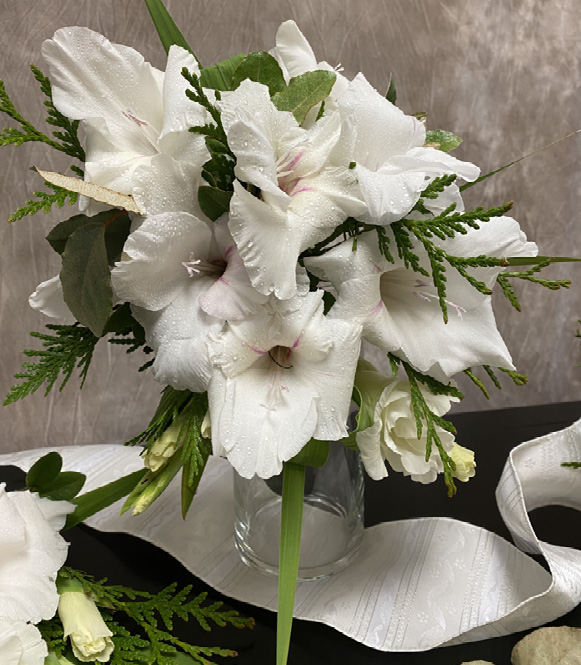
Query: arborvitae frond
66	140
44	201
574	465
518	379
53	634
477	382
423	414
71	347
151	643
529	276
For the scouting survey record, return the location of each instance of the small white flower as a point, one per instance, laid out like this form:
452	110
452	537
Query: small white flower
83	623
392	436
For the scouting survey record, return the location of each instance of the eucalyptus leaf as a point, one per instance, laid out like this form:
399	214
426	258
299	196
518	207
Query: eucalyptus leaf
86	278
262	68
59	235
304	92
168	31
214	202
64	487
116	233
44	471
219	76
120	320
442	140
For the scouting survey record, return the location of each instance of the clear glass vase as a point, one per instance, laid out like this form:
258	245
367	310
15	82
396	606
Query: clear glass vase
332	517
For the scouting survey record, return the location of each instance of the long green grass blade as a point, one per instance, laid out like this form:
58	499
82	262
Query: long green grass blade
293	492
516	161
168	31
92	502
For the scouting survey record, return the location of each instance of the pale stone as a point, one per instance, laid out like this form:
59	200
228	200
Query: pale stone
549	646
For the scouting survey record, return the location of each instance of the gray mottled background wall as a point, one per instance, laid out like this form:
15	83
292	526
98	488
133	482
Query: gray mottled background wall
504	75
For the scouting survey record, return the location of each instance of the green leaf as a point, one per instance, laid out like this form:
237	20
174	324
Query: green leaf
313	453
86	278
64	487
445	141
214	202
59	235
293	492
92	502
151	486
43	471
220	75
168	31
120	320
304	92
262	68
116	232
391	94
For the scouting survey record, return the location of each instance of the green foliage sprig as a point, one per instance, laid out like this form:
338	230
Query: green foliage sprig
66	140
70	348
425	416
142	622
529	275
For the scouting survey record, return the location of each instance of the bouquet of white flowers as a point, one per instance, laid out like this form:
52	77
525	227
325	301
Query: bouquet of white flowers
248	224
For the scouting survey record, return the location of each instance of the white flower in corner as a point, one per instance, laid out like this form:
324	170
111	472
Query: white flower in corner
392	435
130	110
304	192
21	644
82	622
283	376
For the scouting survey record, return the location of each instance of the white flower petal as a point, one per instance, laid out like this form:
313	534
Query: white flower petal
21	644
293	51
48	299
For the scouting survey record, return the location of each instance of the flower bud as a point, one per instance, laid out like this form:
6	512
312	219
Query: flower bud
164	448
464	461
83	623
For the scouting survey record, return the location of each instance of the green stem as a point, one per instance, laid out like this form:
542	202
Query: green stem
293	492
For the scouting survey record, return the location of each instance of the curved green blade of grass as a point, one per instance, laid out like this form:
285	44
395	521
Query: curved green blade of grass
168	31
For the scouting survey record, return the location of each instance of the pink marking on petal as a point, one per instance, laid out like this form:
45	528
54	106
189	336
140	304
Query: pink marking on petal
260	352
377	308
297	341
301	190
377	268
229	251
295	160
224	281
131	116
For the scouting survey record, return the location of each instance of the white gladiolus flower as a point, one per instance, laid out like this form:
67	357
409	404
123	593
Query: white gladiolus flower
83	623
393	435
48	299
284	375
21	643
400	311
392	166
130	110
32	553
304	193
182	275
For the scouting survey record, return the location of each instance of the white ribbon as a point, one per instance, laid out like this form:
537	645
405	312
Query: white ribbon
415	584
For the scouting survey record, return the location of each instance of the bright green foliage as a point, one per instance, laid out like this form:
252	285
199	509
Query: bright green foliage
424	415
70	348
167	30
66	140
262	68
44	202
442	140
220	75
142	622
518	379
46	478
477	382
529	276
304	92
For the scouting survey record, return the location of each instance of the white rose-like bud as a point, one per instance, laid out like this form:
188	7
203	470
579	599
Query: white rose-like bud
392	436
464	461
83	623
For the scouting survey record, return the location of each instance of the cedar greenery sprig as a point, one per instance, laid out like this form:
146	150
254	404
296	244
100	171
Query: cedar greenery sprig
66	141
529	276
517	378
141	622
70	348
424	415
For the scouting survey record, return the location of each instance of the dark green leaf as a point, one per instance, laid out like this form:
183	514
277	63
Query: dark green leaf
262	68
391	94
168	31
219	76
443	140
120	320
92	502
117	222
118	228
304	92
86	278
43	471
214	202
64	487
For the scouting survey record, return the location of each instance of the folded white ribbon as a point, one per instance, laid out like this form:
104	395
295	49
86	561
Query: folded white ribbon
415	584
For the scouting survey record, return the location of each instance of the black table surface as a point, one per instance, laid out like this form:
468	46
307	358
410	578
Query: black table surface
127	560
